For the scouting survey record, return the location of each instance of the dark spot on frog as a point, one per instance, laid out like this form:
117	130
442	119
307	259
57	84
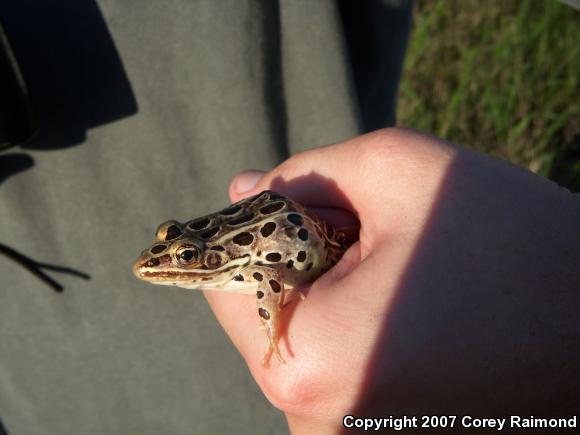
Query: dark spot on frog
199	225
243	218
274	257
271	208
238	278
259	253
210	233
231	210
243	239
303	234
289	264
275	286
301	256
173	232
206	278
309	266
158	249
296	219
264	314
268	229
260	294
217	248
257	276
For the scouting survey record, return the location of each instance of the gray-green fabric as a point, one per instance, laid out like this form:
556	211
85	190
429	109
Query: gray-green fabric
147	121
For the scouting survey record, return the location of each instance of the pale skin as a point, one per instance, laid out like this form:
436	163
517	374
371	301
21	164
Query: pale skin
461	295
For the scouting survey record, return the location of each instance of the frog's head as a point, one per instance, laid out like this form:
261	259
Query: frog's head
177	258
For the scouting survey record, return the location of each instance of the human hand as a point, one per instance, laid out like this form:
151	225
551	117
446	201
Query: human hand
459	296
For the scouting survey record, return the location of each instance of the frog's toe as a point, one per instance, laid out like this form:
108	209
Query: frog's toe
266	359
272	349
279	355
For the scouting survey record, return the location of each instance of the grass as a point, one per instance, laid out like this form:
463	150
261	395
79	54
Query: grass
501	76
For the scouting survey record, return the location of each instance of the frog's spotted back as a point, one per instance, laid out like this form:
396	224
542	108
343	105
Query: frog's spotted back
263	244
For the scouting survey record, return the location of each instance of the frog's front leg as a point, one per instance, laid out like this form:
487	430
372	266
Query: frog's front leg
270	300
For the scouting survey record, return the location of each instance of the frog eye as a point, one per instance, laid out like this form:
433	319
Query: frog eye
187	255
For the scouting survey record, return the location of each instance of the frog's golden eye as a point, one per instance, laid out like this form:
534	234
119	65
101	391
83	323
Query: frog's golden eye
187	254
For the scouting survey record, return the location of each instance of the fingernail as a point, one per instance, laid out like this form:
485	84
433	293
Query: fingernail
247	180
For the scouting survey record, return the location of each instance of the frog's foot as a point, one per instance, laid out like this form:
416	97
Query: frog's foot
270	300
268	354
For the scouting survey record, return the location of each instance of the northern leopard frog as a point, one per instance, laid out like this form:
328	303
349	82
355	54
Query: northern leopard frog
263	245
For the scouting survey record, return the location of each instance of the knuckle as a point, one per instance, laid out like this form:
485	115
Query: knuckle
297	393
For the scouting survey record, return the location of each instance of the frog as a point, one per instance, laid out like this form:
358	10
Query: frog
266	245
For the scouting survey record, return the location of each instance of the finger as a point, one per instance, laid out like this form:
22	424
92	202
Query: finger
339	218
388	172
308	177
244	183
237	315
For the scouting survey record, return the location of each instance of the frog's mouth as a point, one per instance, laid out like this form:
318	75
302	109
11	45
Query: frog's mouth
162	270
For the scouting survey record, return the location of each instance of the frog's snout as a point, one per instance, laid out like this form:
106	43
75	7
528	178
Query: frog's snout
140	263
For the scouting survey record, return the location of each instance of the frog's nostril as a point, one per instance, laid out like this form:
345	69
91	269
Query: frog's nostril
144	261
153	262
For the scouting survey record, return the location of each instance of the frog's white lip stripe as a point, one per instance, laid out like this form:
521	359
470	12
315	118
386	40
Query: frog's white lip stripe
182	275
176	274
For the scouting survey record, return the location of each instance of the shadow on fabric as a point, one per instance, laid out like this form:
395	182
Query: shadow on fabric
60	75
68	60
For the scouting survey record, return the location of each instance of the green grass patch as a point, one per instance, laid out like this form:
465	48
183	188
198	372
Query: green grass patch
500	76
